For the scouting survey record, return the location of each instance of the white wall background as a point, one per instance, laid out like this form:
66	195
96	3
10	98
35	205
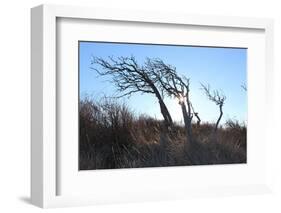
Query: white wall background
15	105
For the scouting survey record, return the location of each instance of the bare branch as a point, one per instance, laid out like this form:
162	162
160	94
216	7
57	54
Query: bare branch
217	97
129	78
196	115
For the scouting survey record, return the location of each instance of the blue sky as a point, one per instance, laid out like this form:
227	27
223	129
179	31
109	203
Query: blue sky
224	69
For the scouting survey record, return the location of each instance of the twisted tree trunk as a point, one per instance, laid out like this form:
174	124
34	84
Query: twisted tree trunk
163	108
218	121
187	122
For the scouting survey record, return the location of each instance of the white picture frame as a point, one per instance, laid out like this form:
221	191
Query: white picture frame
45	166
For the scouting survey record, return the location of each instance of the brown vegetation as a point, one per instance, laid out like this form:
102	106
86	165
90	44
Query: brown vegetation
111	136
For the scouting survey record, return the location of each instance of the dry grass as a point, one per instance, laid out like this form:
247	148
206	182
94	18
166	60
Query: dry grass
112	137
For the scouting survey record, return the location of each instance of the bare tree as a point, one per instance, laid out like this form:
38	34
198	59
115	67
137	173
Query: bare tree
175	86
217	97
129	77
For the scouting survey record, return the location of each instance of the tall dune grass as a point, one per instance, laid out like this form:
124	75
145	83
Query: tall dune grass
111	136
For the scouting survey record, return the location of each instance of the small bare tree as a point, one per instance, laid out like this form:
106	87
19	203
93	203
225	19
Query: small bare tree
217	97
175	86
129	77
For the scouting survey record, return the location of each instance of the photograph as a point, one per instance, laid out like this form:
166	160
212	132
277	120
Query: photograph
160	105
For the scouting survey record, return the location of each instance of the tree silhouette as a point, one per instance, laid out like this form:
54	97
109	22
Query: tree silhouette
175	86
129	77
217	97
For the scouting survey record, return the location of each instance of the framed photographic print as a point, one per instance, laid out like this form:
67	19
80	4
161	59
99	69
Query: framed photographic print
132	105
